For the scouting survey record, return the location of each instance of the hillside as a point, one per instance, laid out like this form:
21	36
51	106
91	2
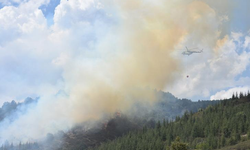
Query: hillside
244	145
9	110
215	127
82	136
167	107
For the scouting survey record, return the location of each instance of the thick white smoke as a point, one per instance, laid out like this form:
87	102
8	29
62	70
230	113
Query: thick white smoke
106	55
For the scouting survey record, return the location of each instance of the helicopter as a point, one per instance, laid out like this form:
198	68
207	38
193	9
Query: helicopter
191	51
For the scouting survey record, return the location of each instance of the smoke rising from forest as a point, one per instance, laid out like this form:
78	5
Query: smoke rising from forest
128	59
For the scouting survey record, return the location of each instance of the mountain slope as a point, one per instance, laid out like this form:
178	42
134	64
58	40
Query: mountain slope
10	109
83	135
167	107
218	126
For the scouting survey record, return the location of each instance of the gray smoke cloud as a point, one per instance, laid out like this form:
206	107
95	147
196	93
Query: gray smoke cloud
109	55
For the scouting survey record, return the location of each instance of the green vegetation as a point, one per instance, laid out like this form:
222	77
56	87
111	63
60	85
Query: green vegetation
167	107
178	145
245	145
224	124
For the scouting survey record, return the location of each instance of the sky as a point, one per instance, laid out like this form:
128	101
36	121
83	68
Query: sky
227	73
35	36
32	33
85	58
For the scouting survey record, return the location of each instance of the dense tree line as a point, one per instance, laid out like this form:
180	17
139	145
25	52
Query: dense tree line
20	146
226	123
213	127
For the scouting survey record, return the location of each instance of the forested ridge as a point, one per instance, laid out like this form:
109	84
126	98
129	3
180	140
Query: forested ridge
222	124
226	123
167	106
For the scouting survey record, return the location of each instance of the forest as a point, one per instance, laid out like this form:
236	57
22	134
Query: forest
224	124
214	126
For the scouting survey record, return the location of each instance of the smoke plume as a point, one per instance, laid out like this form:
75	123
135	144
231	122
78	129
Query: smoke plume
128	57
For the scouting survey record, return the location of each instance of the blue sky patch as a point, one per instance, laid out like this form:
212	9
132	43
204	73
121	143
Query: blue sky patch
49	10
11	4
240	17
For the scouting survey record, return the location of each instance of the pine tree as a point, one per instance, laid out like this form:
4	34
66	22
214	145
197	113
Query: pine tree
233	96
248	134
178	145
223	140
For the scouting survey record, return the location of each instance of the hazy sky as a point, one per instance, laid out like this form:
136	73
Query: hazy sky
38	37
